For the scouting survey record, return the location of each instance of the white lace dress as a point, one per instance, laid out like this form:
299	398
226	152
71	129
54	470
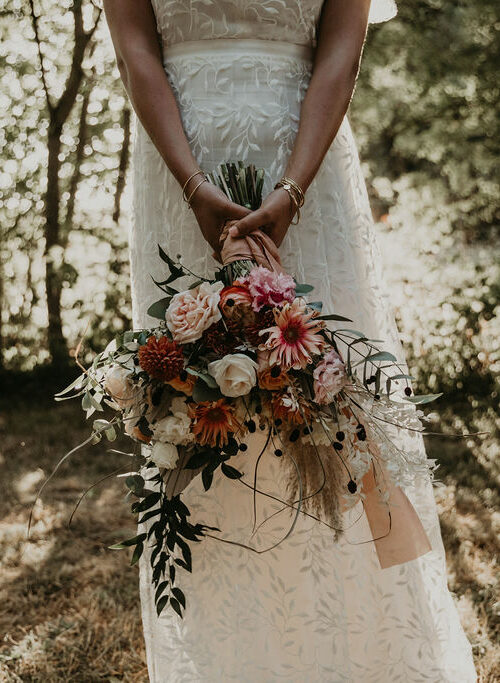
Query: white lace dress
310	610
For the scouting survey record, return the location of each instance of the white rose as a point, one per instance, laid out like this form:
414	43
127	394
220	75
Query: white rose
235	374
119	386
164	455
174	428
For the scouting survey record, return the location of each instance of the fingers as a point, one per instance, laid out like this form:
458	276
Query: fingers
251	222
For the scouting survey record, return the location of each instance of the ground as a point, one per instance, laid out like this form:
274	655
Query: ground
70	607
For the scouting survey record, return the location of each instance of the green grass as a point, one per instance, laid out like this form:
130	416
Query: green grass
70	607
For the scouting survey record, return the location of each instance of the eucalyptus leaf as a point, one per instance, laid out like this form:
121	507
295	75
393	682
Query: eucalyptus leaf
423	398
160	605
158	309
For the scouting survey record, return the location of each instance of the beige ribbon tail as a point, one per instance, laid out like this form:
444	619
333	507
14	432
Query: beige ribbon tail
395	525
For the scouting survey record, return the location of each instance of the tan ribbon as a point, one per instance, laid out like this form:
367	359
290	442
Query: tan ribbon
398	533
257	246
395	525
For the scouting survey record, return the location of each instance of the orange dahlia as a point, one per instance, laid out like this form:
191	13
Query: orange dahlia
161	358
295	336
213	421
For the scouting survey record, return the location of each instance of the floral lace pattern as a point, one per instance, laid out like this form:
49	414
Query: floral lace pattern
293	21
311	609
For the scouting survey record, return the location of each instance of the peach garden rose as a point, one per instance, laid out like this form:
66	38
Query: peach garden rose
192	312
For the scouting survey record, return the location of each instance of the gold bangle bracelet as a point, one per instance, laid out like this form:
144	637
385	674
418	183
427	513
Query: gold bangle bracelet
192	193
187	181
296	187
293	199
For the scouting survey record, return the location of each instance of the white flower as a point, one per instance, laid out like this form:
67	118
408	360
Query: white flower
164	455
235	374
175	428
119	386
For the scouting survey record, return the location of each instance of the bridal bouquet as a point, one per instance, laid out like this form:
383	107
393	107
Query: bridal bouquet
245	350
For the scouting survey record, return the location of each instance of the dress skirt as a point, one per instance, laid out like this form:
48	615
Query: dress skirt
312	609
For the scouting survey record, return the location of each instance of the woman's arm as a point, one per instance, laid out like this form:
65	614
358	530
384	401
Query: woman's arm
133	31
341	35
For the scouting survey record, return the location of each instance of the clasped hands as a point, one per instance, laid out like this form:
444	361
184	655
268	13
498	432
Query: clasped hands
217	216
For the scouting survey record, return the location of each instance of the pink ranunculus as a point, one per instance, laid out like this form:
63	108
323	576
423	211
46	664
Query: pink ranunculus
329	377
269	288
192	312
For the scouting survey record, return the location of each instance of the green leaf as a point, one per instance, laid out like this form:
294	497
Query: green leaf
382	355
129	542
135	483
302	288
423	398
158	309
334	316
207	476
198	460
139	548
316	305
160	605
175	604
160	590
202	392
230	472
180	596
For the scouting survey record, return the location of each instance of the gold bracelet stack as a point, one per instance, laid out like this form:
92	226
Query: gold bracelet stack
188	199
295	193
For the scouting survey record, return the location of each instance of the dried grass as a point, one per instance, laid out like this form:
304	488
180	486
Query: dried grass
70	606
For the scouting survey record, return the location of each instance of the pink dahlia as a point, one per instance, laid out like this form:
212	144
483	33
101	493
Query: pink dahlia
295	337
268	288
329	377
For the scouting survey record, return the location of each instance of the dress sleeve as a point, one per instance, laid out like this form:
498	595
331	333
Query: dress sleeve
382	10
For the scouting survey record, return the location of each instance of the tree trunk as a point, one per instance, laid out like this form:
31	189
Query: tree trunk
58	347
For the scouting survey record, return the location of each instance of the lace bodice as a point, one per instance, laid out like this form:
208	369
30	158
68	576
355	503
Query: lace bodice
293	21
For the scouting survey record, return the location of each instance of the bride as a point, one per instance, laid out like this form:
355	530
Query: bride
269	82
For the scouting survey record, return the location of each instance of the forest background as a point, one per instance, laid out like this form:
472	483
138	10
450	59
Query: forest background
425	114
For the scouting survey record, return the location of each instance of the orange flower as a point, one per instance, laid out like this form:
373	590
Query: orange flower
273	378
185	385
161	358
212	422
236	305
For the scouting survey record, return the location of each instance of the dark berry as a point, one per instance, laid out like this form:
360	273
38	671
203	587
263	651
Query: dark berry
408	391
278	421
307	430
258	409
294	435
262	427
352	487
230	302
275	371
340	436
278	452
183	375
338	446
251	426
377	397
243	447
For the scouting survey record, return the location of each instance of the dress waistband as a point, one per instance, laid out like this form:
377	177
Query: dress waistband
240	45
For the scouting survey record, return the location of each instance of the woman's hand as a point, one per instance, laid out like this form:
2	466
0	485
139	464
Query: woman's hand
212	209
273	217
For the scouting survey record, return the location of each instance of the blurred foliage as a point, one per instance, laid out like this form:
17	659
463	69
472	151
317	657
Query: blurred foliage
425	117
